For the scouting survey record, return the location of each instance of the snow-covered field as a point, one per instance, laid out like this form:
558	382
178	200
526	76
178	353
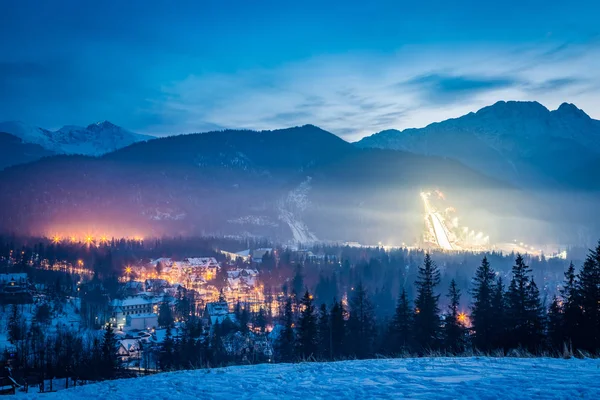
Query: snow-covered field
423	378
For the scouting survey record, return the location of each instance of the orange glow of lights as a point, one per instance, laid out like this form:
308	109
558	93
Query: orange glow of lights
56	239
463	319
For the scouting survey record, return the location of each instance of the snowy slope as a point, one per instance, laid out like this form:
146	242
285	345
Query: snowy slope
95	139
290	209
424	378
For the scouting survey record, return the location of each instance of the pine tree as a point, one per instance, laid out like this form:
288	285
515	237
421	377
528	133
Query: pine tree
183	305
324	329
167	351
498	317
322	289
15	328
221	278
361	324
571	310
338	330
454	331
401	325
43	314
261	320
556	334
537	317
243	317
298	282
110	361
165	315
287	339
517	303
588	287
426	319
482	313
307	328
216	353
524	311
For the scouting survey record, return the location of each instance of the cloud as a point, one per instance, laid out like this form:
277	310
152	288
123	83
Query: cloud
557	84
444	88
353	94
357	95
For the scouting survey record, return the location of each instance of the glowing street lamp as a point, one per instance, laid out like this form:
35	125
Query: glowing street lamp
463	319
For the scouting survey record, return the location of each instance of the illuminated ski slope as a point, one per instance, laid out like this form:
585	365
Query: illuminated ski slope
441	236
440	233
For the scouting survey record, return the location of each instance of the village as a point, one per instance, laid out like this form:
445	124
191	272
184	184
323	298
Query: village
217	292
77	313
148	306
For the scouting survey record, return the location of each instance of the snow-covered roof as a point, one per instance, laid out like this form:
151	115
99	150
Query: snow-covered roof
163	260
203	262
217	308
130	344
131	301
243	253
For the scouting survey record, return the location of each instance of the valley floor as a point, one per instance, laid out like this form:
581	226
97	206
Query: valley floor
423	378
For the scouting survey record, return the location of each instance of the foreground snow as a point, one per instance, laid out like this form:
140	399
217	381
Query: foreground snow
425	378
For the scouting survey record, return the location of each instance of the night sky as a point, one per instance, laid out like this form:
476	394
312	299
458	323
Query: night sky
351	67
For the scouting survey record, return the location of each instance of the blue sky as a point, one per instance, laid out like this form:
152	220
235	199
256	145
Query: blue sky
351	67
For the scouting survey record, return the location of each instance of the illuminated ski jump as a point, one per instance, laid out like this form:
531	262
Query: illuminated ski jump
436	226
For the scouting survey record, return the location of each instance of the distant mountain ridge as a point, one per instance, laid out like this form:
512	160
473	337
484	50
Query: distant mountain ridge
298	184
521	142
304	183
94	139
14	151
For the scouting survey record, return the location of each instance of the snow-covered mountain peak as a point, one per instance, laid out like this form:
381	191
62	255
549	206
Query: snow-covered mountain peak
95	139
103	125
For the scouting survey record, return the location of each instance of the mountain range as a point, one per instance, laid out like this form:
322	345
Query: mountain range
14	151
521	142
306	184
94	139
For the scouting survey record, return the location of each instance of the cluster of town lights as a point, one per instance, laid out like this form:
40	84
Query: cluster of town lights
89	239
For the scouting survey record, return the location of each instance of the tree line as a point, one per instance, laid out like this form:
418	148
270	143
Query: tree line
503	318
